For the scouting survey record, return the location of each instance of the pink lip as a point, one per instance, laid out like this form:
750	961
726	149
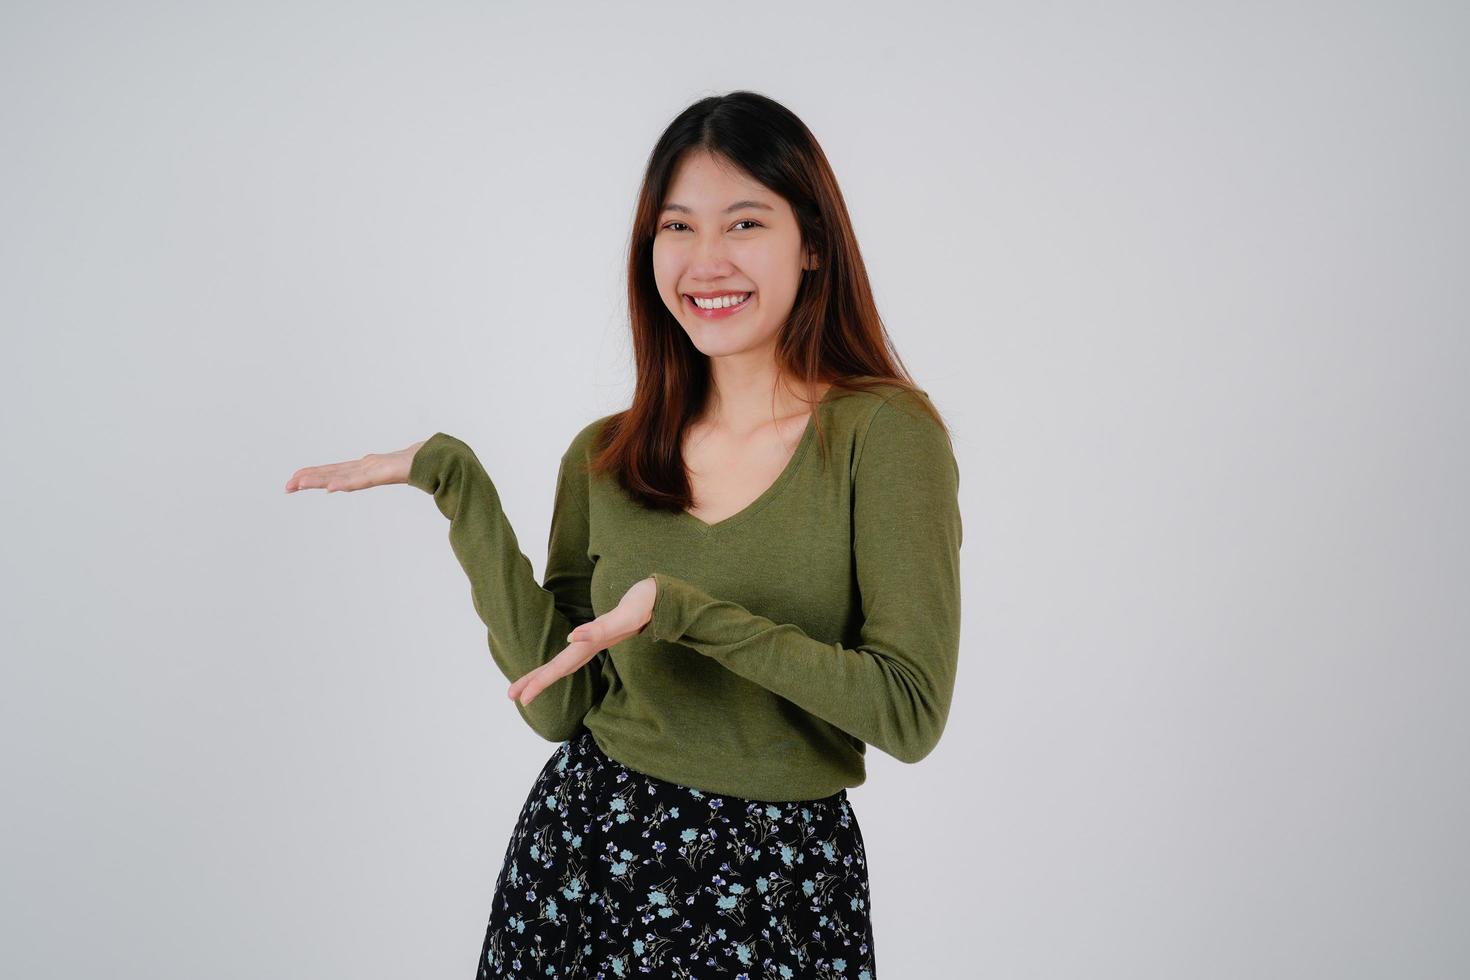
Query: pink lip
719	314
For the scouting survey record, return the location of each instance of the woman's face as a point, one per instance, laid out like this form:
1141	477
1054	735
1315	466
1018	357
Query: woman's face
723	234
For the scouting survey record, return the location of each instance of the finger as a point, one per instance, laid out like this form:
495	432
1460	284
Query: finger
346	476
520	684
302	479
538	682
606	629
518	690
332	477
525	679
562	665
528	694
595	631
313	477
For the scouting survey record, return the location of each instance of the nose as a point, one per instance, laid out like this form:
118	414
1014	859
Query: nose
708	260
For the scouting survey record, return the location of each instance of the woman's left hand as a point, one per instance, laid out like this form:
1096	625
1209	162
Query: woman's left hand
626	619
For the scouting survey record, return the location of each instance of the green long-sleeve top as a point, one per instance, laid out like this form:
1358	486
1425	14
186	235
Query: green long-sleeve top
822	618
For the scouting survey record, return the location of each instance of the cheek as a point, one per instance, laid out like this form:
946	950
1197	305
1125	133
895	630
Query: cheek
772	263
768	273
664	269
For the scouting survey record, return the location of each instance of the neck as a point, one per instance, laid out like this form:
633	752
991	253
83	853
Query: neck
744	400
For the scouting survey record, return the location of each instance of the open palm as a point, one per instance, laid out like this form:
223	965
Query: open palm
372	470
626	619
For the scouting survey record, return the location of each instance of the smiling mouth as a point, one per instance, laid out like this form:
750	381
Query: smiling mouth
723	310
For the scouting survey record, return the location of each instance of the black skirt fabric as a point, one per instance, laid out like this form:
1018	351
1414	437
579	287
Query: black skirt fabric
613	873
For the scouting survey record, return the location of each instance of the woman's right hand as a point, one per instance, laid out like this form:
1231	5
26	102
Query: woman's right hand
372	470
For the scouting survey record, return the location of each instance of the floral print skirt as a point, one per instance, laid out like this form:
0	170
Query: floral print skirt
613	873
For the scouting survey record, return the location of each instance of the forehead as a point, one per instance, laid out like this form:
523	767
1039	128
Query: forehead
704	183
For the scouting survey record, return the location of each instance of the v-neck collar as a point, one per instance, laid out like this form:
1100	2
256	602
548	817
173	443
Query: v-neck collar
769	494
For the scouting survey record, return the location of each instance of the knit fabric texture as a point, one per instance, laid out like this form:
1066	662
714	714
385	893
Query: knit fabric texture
822	618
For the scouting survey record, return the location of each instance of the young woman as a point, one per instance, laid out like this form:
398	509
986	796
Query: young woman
752	575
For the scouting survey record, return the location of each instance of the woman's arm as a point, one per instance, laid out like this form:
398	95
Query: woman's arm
527	623
893	688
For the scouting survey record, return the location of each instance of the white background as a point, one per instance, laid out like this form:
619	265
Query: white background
1189	282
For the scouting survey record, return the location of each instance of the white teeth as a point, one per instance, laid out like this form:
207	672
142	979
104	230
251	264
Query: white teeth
720	302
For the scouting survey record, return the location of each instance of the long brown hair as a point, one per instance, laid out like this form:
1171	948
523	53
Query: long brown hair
833	334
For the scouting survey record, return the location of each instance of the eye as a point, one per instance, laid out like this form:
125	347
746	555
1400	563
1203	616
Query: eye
743	221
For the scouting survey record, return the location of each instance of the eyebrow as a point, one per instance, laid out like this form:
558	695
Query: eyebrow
738	205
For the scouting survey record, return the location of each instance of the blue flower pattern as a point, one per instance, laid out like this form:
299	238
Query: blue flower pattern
606	878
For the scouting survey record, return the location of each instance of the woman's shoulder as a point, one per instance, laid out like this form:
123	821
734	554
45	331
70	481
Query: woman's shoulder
861	406
584	441
897	422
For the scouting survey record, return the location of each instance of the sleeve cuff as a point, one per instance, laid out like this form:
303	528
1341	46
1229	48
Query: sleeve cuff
666	621
423	471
